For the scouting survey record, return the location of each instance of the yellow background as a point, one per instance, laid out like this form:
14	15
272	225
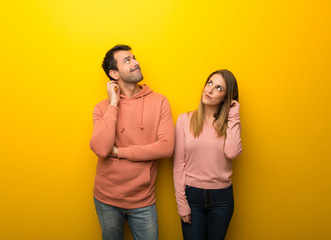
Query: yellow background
51	78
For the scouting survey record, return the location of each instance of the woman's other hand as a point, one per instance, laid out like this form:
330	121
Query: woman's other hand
187	219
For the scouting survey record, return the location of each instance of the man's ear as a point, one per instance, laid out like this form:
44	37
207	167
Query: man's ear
113	74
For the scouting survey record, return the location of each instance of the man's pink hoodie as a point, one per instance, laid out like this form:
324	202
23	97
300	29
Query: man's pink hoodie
143	130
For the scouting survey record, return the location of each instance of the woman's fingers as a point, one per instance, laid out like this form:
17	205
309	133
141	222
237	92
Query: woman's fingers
186	219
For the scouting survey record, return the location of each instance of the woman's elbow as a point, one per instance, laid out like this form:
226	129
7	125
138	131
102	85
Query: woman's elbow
232	154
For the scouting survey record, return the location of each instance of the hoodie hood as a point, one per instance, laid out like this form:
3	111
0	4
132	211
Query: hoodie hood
145	90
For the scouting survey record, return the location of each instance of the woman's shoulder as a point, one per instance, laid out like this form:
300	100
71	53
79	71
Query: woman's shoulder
185	116
184	119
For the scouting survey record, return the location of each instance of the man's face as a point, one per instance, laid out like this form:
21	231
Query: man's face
128	67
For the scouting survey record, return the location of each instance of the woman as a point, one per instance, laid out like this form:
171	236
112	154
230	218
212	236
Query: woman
206	142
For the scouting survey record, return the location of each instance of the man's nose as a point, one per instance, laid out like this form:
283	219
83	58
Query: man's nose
135	62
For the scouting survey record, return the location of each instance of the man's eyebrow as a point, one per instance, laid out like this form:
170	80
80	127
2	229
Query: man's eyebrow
126	58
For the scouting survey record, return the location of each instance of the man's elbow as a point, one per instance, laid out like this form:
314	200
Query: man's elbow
169	153
169	149
101	153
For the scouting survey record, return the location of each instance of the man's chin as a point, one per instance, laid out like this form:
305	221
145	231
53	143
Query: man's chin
134	80
139	79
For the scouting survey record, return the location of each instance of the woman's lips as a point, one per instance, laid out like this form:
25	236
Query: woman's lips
207	96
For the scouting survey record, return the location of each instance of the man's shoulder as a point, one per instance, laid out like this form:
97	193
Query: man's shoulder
158	94
155	96
103	104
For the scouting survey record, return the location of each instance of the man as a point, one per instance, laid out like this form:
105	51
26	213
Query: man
133	128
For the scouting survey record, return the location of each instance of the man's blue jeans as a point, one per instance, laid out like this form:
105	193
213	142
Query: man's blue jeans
211	212
142	221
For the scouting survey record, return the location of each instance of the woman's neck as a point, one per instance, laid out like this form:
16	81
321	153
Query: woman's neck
209	113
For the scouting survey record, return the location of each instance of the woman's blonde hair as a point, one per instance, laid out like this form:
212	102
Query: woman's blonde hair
222	113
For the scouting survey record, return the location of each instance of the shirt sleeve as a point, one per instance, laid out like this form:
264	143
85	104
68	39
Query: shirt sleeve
104	128
162	148
233	147
179	168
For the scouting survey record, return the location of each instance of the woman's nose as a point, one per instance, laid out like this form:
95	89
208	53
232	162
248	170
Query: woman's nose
210	89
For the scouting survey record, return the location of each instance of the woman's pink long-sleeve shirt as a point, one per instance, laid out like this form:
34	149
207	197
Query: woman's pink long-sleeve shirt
206	161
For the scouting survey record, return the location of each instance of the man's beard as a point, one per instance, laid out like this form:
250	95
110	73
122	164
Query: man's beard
133	78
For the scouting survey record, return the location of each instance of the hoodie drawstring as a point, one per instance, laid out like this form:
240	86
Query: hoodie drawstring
141	126
122	124
142	110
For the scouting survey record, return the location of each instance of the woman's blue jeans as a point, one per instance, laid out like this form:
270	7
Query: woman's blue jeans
211	212
142	221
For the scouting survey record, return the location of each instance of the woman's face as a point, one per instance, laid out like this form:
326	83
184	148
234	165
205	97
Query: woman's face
214	92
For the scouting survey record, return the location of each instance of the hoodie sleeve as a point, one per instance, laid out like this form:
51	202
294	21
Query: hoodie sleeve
162	148
179	169
232	147
104	126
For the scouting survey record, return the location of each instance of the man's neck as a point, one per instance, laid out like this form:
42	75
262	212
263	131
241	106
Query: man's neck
128	90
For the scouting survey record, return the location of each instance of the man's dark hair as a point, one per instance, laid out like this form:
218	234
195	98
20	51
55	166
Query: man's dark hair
109	62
